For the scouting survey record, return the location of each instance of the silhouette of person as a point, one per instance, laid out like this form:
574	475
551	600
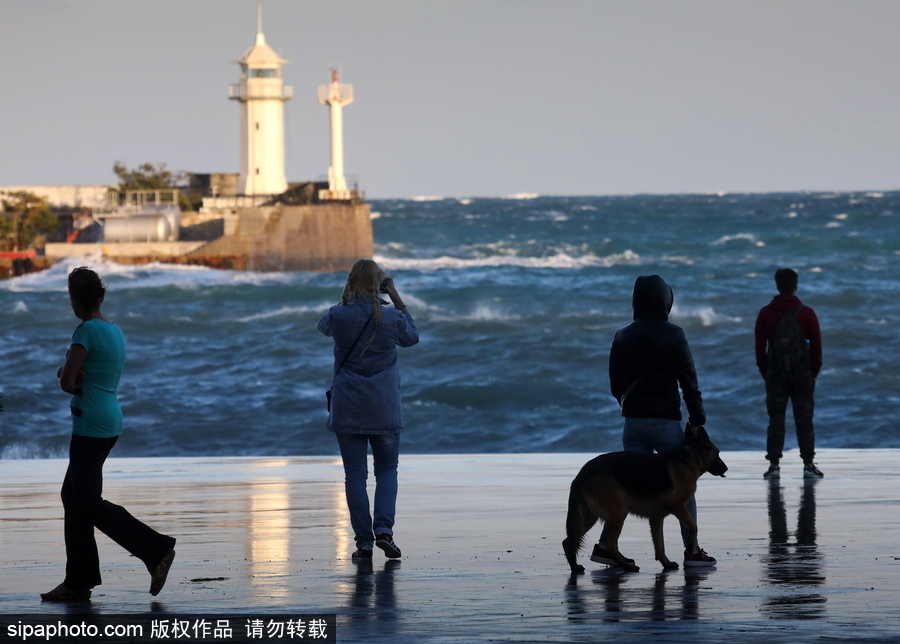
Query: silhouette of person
91	374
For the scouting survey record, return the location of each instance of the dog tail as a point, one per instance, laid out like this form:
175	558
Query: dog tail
578	521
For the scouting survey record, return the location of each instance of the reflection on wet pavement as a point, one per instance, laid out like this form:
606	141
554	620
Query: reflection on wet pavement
674	595
372	602
793	569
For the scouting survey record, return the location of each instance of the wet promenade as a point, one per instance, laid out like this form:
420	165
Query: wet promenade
798	561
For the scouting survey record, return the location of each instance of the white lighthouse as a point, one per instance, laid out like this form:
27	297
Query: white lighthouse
336	95
262	94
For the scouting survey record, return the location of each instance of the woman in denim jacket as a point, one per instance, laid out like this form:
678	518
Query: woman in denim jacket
365	404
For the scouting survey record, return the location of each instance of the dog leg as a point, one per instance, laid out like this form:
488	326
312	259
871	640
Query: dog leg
612	544
579	520
571	547
659	547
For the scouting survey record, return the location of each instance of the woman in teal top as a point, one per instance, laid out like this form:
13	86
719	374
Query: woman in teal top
91	374
95	408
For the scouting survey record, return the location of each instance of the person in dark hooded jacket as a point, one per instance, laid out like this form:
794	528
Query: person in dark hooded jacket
648	362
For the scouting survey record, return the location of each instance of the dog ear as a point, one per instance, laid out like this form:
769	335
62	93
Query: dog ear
702	435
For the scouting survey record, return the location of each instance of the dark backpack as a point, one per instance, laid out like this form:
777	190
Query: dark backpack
788	353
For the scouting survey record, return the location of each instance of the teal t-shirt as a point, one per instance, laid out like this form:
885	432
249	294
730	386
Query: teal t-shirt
96	411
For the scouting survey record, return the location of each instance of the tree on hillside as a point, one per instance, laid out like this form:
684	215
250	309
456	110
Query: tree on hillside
24	217
148	176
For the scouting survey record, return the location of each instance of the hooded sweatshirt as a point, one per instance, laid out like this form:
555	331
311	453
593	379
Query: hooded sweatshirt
650	358
767	322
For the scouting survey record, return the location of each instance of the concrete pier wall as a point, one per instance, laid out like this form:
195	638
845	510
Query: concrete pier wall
323	237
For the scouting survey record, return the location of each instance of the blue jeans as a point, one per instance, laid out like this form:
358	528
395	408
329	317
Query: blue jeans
644	435
386	453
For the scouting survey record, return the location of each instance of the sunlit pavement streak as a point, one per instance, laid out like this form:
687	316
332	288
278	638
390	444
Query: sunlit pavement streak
482	560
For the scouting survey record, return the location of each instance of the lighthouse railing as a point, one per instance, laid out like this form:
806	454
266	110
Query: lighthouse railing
242	92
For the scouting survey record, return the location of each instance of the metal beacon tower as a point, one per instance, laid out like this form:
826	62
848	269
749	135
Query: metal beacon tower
336	95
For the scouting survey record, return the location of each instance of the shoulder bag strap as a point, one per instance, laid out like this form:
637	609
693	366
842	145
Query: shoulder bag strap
355	342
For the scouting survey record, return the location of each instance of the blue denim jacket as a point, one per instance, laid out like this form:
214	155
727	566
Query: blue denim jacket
365	398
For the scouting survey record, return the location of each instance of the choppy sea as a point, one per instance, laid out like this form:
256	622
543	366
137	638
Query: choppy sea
517	300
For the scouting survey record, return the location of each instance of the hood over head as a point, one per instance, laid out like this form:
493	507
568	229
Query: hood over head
652	298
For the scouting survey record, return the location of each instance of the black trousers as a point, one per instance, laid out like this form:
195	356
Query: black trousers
85	509
800	392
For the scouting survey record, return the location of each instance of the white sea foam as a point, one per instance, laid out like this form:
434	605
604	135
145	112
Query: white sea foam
556	215
395	246
465	202
153	275
834	224
707	315
841	216
487	313
27	451
679	259
426	198
739	237
20	307
374	215
482	312
560	260
52	279
523	195
286	311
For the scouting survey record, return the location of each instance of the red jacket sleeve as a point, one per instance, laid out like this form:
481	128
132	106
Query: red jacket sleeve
762	333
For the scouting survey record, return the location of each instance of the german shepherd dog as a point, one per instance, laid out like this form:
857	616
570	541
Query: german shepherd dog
648	485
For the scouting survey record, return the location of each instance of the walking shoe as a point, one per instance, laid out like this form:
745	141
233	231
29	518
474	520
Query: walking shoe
63	593
386	543
362	554
161	572
602	555
810	471
698	558
774	472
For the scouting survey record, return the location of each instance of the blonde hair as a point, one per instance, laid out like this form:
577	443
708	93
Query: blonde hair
364	280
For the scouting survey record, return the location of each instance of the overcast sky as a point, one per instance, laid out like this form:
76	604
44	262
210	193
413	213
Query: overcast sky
468	97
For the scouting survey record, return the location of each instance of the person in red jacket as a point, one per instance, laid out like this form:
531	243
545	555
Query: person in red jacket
791	374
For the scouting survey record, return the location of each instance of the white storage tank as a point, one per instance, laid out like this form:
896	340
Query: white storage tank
139	228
